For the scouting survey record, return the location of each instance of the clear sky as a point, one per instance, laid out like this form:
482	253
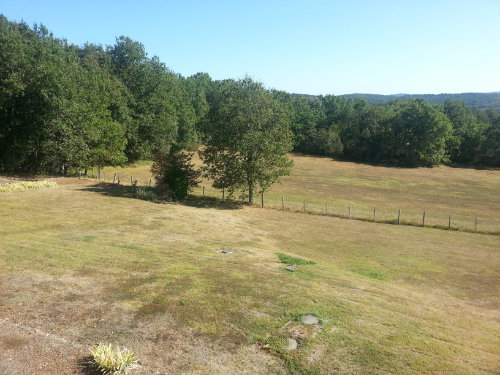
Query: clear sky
312	47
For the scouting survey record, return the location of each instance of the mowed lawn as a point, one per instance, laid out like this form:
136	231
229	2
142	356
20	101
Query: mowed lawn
86	262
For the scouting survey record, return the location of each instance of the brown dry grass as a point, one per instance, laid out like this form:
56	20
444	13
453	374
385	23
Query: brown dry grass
444	193
86	262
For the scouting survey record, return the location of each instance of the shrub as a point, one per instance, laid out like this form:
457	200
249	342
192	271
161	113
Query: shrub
26	185
146	193
113	361
174	174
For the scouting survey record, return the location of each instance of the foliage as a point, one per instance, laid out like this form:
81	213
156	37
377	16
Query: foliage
246	137
64	106
146	193
175	175
26	185
112	361
475	100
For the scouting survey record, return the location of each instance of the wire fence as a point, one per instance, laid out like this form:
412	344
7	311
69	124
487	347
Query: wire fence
353	211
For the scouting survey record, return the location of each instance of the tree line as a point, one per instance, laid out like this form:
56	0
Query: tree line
410	132
66	107
483	100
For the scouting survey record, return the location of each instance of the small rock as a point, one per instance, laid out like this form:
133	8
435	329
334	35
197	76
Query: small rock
227	251
291	268
309	319
292	344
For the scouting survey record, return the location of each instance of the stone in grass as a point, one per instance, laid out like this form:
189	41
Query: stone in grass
309	319
227	251
291	268
292	344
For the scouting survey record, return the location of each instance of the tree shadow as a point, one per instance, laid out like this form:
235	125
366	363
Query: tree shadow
211	202
124	191
111	190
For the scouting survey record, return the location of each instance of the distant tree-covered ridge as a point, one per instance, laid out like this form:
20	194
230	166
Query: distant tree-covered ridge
472	99
66	107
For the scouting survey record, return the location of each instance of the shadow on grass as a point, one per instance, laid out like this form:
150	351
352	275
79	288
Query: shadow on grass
124	191
88	367
211	202
111	190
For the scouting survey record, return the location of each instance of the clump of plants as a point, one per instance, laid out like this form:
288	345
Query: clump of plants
175	175
112	361
26	185
146	193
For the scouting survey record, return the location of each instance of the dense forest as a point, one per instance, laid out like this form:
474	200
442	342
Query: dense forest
64	107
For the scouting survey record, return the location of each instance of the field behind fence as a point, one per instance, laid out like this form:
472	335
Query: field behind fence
428	218
443	197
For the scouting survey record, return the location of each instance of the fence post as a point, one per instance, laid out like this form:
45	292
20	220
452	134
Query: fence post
283	203
262	199
449	222
349	212
114	178
203	190
374	213
399	216
222	193
131	180
423	219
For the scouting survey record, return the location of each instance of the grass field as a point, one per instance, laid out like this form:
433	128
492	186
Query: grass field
85	262
447	195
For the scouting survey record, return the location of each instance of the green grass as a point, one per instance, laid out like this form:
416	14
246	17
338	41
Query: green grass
91	263
287	259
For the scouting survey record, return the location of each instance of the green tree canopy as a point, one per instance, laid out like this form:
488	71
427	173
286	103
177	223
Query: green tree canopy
246	137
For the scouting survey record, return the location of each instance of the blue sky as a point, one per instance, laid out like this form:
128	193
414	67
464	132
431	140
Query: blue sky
313	47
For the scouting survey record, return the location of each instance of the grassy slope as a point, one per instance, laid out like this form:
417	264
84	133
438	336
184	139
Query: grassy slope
89	263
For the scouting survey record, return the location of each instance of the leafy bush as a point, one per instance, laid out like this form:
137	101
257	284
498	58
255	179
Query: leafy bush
174	174
26	185
147	194
113	361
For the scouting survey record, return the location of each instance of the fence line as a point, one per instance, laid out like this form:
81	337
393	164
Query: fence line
328	209
377	215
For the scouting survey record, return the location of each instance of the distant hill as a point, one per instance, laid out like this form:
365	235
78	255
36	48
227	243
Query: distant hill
477	100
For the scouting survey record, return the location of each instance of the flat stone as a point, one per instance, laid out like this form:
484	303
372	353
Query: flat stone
292	344
309	319
291	268
227	251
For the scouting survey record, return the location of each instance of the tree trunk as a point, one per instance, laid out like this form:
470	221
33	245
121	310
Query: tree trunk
250	194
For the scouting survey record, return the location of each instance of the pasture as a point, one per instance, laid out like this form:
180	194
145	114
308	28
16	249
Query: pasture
86	262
